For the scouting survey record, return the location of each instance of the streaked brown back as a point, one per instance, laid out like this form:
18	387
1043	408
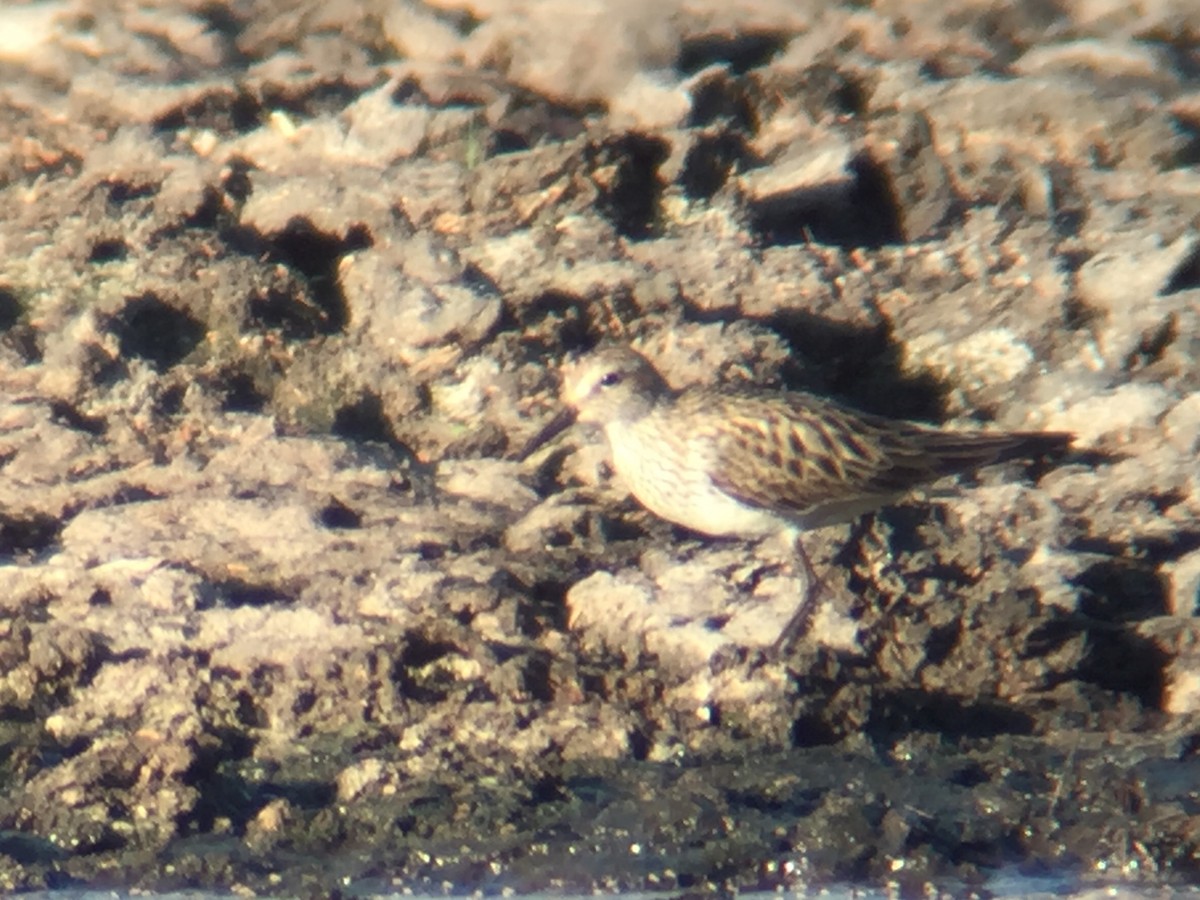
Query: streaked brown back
807	453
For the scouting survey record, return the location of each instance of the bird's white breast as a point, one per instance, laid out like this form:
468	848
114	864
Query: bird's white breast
668	473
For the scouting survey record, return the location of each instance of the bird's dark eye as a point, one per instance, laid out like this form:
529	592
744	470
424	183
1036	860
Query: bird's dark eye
608	379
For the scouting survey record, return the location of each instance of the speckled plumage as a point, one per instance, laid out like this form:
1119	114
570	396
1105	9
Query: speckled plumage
752	463
749	463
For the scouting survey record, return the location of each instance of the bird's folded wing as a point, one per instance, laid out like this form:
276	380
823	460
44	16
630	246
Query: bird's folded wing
807	453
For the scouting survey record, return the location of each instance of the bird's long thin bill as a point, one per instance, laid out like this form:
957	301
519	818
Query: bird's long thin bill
557	425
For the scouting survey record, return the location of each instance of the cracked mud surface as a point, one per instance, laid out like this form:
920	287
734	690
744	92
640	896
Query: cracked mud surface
284	287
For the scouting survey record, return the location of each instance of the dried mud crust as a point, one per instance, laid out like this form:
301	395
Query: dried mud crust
283	287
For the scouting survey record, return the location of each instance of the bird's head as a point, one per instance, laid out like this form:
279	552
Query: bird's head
615	385
612	385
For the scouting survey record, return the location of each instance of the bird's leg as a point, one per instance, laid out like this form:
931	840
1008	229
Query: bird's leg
814	585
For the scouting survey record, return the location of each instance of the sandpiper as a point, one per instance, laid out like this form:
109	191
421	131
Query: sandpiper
753	463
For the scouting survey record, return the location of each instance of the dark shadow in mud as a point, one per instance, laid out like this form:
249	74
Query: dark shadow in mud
860	366
711	160
1116	594
1121	591
151	328
899	712
121	191
741	51
30	849
826	90
412	674
108	250
224	109
234	593
316	256
1126	662
363	421
231	788
28	534
314	304
630	198
338	516
16	332
719	98
1126	584
65	413
546	609
240	391
10	309
862	212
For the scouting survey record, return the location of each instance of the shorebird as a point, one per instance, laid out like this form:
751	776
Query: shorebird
752	463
